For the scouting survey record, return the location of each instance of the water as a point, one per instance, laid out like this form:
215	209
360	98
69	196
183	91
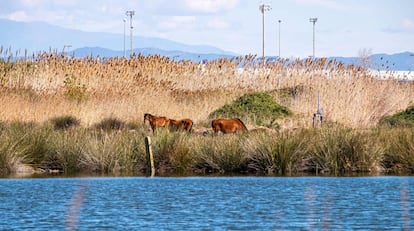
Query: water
208	203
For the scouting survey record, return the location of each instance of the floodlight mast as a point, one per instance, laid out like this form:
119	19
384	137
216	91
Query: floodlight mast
313	20
130	13
263	8
124	19
280	21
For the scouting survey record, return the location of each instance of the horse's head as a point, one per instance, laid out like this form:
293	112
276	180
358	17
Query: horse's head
147	117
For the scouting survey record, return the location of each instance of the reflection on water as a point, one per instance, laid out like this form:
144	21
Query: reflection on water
206	203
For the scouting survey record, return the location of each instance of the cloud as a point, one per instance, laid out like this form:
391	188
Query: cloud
330	4
210	6
177	22
405	25
217	23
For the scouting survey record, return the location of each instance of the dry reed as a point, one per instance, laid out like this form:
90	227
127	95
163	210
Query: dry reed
49	85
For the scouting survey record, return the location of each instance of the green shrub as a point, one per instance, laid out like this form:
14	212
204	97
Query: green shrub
403	118
259	107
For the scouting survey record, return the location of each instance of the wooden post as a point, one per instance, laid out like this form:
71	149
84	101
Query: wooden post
150	157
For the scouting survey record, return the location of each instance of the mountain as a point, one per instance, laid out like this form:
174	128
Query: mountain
40	36
395	62
177	55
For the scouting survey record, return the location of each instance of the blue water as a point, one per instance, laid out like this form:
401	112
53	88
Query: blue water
208	203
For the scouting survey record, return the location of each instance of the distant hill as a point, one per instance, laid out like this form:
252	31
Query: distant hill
39	36
177	55
399	61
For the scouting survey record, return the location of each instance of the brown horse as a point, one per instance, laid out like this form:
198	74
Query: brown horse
228	125
156	121
184	124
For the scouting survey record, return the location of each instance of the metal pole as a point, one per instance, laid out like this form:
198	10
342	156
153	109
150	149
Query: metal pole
279	36
124	38
130	14
263	8
263	34
313	20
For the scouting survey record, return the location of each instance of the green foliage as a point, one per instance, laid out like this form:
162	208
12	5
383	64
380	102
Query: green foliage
403	118
259	107
74	89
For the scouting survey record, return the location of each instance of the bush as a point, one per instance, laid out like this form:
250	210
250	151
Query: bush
260	107
403	118
110	124
64	122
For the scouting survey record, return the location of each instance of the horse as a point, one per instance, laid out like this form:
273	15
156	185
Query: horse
228	125
156	121
184	124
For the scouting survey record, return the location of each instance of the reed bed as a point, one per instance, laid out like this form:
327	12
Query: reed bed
40	88
49	85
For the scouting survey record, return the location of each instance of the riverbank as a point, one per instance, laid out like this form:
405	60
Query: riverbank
30	148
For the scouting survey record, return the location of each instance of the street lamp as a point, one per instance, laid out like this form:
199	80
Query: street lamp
263	8
313	20
124	19
130	13
280	21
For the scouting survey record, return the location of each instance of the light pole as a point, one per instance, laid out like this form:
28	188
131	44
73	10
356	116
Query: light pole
130	13
263	8
280	21
65	46
313	20
124	37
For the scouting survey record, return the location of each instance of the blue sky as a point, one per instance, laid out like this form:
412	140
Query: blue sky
344	27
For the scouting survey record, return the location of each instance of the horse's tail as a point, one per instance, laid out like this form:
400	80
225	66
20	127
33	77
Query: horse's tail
243	125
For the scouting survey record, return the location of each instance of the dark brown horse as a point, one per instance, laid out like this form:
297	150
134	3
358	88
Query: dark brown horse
228	125
156	121
184	124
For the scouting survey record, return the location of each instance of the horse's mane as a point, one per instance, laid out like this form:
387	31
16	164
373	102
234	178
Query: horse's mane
244	126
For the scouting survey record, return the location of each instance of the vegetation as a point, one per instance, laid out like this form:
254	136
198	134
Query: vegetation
259	108
402	118
86	115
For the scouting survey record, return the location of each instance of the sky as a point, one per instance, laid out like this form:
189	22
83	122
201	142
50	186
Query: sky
343	27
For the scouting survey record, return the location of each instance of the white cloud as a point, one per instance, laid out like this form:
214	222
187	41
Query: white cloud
217	23
211	6
177	22
19	16
323	3
407	24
